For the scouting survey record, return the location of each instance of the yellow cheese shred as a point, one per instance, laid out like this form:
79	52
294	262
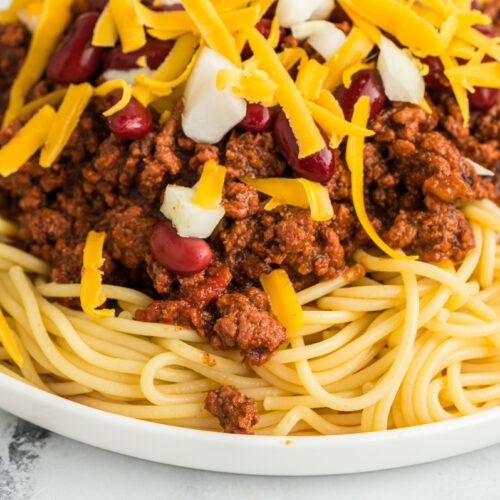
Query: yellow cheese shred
107	87
297	192
131	31
291	56
9	15
328	102
91	295
52	98
332	123
354	158
105	31
459	91
251	83
212	28
476	75
357	46
8	341
283	299
310	79
209	191
306	132
26	142
53	21
65	121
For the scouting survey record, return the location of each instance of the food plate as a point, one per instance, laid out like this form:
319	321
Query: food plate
285	456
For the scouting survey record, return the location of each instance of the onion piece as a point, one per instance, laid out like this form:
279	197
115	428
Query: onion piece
327	39
189	219
400	74
304	30
209	114
29	20
479	169
292	12
126	74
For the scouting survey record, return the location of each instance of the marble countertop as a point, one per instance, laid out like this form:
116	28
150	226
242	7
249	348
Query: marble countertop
35	464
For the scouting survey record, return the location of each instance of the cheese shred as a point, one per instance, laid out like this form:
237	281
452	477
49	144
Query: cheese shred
91	294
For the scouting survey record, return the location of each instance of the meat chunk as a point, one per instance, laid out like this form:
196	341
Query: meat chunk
241	324
254	155
236	412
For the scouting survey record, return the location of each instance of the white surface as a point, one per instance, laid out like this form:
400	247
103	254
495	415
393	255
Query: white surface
250	454
61	469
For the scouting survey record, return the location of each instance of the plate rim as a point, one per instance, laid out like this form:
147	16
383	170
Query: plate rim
42	408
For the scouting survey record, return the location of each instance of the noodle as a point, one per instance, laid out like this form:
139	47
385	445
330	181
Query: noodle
406	344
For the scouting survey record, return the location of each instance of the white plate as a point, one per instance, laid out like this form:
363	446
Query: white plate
295	456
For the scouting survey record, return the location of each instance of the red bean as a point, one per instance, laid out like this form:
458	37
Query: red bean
485	29
96	5
366	82
435	79
155	51
257	119
483	98
185	256
132	122
76	60
264	27
167	8
338	15
271	12
318	167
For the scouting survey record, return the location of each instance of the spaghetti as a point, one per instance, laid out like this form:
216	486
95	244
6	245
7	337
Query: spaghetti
403	345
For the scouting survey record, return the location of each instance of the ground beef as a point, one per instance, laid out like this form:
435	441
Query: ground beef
236	412
242	324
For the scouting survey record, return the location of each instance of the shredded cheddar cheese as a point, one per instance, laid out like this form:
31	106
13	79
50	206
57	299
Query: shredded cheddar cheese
53	21
105	31
65	121
209	192
131	32
296	192
8	341
310	79
212	28
108	87
51	98
305	130
356	47
26	142
283	299
354	157
91	295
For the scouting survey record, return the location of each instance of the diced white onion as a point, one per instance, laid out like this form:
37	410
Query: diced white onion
292	12
323	9
209	114
327	39
189	219
400	74
480	170
29	20
167	2
126	74
301	31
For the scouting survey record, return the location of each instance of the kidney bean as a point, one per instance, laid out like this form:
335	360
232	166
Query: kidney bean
132	122
271	12
483	98
366	82
257	119
318	167
155	51
485	29
264	27
435	79
76	60
185	256
96	5
339	15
